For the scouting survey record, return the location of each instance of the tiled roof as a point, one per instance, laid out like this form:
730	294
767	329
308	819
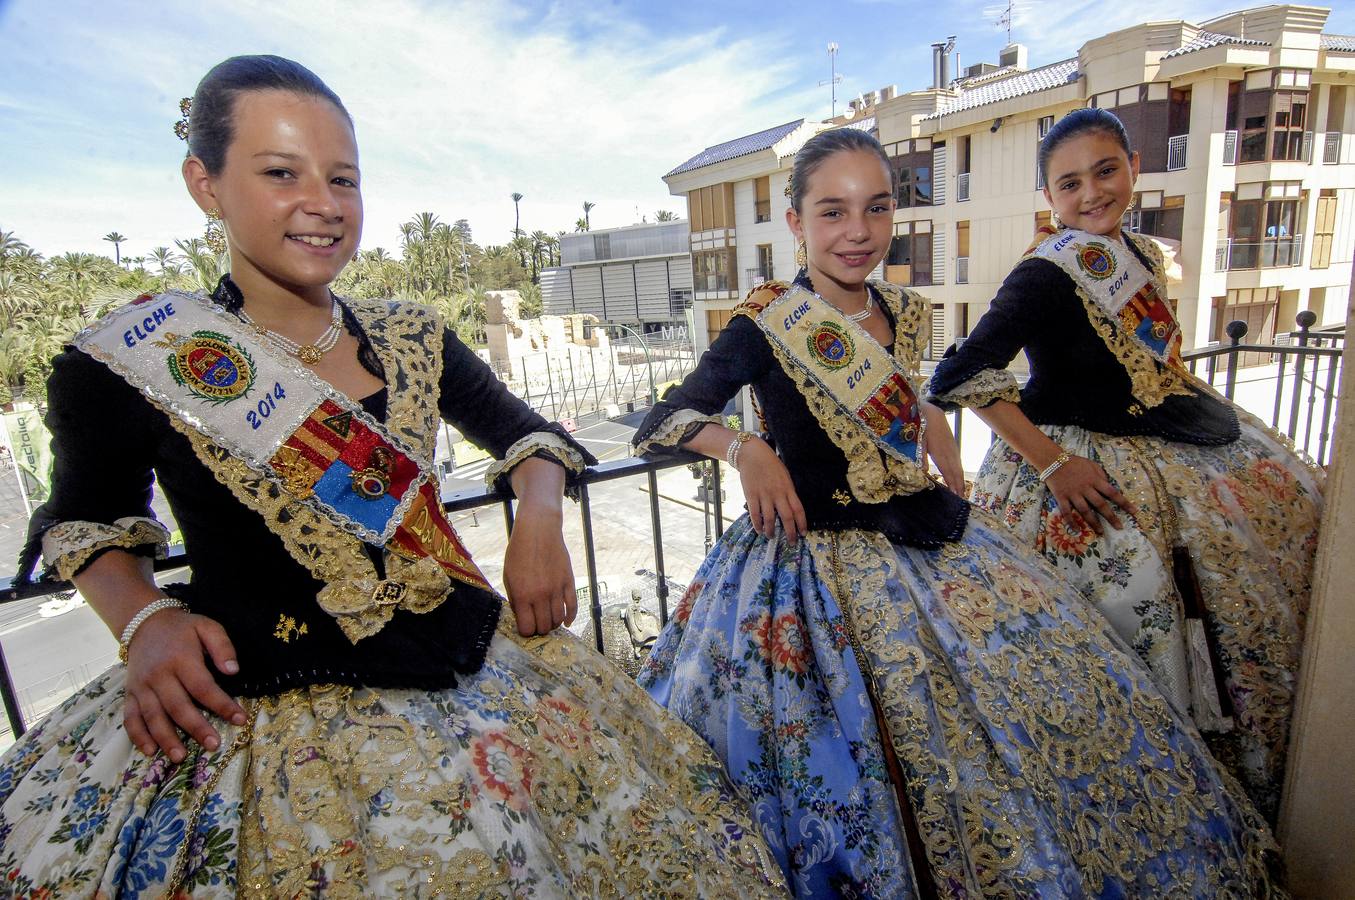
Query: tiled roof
750	143
1341	43
1018	85
1206	39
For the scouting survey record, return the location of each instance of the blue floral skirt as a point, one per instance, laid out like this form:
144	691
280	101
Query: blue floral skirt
546	774
1037	757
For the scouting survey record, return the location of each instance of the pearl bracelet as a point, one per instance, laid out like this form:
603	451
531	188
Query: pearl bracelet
146	612
732	451
1057	464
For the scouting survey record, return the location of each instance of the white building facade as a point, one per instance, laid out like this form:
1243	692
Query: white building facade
1246	129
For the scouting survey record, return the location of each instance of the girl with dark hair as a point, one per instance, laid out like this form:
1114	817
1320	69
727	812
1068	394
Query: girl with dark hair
912	701
1188	523
338	704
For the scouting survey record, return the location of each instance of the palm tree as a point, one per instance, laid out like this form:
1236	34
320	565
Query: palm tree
10	245
166	259
663	215
581	224
517	229
116	240
587	208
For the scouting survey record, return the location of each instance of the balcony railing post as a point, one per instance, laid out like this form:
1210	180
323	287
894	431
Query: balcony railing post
591	561
12	710
719	500
657	530
1332	366
1305	321
1237	329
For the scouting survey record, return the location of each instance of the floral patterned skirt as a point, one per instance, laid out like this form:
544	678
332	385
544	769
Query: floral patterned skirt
1037	758
1248	512
546	774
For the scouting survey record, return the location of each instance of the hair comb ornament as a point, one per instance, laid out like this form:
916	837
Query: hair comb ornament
181	126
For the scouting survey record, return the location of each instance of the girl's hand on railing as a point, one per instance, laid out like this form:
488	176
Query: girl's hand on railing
940	445
169	684
537	573
1081	486
769	492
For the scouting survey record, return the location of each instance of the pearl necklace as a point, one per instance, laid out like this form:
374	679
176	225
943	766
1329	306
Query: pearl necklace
864	313
308	354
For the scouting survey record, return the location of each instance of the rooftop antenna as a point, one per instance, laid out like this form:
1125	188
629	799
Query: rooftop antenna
1005	19
836	79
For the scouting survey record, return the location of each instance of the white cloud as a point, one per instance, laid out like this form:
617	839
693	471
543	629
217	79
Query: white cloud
457	105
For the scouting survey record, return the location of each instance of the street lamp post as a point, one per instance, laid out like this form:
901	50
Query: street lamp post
649	361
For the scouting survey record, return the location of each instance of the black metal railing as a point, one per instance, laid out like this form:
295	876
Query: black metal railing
1306	382
463	501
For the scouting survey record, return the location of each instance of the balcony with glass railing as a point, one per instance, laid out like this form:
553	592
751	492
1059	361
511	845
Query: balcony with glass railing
1269	253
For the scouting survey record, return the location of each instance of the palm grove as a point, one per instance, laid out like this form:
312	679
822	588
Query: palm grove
43	301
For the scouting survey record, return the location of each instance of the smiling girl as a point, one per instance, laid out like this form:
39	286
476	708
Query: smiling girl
1189	524
912	701
338	704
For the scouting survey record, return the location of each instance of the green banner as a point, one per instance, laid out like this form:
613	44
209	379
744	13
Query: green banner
30	445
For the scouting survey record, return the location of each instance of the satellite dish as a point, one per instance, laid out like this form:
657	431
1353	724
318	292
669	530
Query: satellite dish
849	112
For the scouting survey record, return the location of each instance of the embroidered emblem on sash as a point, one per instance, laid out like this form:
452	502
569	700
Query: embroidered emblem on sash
892	413
1150	319
831	345
340	424
358	473
210	365
1093	259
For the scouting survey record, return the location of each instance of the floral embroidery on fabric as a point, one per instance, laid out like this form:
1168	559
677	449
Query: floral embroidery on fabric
536	442
984	389
68	546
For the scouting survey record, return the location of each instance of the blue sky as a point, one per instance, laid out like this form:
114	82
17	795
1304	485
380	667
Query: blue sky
458	104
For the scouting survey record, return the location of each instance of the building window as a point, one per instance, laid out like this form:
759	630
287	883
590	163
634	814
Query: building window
713	270
962	252
602	246
1262	227
1156	215
711	207
762	199
909	261
911	162
962	151
764	262
1290	118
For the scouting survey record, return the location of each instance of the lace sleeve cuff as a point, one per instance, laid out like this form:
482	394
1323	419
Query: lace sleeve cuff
545	444
984	388
672	431
68	547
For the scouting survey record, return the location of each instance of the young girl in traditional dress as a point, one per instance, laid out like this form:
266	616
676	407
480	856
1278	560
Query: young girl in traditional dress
1189	524
912	700
364	717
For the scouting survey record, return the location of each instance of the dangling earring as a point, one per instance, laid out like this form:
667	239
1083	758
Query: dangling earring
214	236
801	255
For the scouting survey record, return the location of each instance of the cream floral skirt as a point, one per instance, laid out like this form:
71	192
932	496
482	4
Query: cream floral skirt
548	774
1248	513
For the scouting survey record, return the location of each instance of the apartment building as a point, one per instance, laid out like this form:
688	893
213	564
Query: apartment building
638	275
1245	126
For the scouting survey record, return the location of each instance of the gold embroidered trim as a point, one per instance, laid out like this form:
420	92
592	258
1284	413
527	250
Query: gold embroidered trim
538	441
988	386
363	606
407	339
675	429
68	546
872	476
1151	381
